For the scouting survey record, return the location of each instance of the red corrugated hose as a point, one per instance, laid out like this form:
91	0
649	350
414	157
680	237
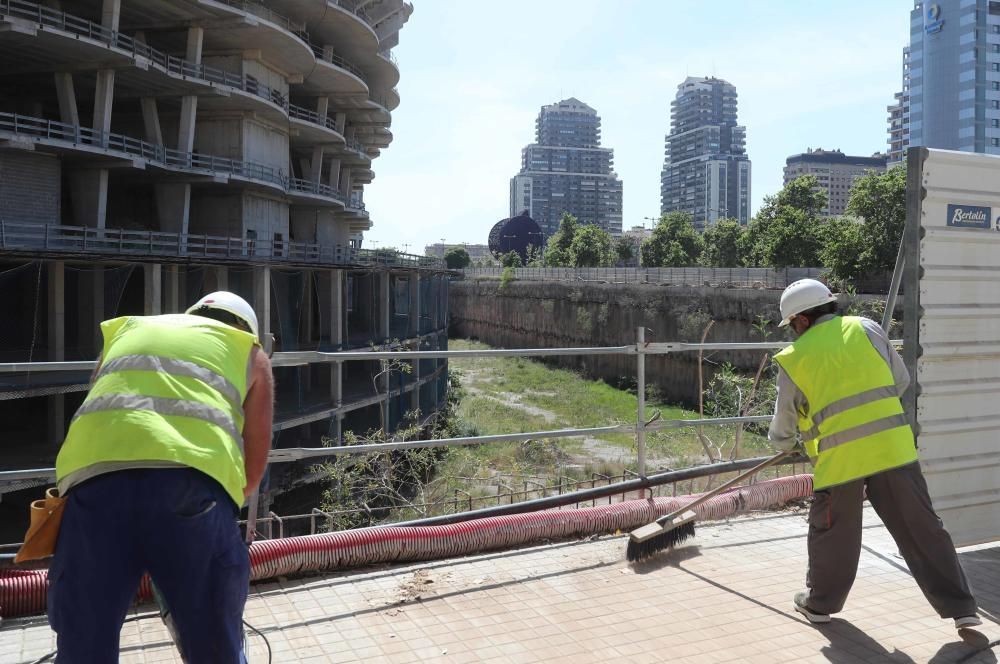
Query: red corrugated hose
23	592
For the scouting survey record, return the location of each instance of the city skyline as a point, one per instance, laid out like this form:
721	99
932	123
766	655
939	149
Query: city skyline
801	84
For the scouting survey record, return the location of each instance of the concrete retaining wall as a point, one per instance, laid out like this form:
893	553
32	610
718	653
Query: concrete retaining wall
536	314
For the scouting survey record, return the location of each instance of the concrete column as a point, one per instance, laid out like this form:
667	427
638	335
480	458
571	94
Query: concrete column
262	303
56	317
172	289
316	175
89	192
90	310
104	96
173	206
218	279
345	181
111	11
341	121
173	201
153	289
337	301
414	304
333	177
322	109
383	323
66	95
151	120
189	103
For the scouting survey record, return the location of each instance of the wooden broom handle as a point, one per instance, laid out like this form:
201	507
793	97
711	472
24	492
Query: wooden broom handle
722	487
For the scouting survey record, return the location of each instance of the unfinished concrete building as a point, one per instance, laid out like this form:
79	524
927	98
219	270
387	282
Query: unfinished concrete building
153	151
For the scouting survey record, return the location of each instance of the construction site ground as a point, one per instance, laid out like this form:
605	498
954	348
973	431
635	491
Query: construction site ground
724	596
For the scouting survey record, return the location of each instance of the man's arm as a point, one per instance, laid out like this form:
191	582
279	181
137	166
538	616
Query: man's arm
784	429
259	409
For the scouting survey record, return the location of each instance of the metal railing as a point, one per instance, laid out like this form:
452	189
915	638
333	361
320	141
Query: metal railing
737	277
268	14
16	236
317	188
300	113
720	277
640	350
329	56
80	27
22	125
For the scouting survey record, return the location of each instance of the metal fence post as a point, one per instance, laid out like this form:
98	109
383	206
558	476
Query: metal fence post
640	378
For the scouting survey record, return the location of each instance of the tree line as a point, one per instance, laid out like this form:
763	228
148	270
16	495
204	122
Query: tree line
788	231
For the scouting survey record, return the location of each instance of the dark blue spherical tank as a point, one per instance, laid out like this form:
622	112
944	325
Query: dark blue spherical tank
515	234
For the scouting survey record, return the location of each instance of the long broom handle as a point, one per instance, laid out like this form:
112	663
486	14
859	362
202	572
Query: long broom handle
722	487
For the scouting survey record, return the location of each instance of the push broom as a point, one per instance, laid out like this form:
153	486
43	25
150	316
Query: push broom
671	529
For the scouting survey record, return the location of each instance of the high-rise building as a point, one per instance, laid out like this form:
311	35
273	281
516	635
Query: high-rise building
951	79
567	170
835	173
152	152
706	172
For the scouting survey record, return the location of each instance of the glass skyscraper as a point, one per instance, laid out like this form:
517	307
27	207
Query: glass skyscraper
951	79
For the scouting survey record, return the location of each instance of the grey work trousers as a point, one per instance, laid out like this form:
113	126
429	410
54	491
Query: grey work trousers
900	498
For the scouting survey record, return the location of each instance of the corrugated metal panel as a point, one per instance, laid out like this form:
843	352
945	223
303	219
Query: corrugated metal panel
956	344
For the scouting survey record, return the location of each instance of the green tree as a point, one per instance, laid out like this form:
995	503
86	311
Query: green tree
722	244
879	199
511	259
786	230
674	242
624	251
557	253
843	249
457	258
591	247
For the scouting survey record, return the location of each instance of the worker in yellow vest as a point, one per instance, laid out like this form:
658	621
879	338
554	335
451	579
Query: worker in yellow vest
171	439
839	386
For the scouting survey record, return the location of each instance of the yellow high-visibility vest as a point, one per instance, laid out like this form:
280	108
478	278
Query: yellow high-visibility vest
855	425
170	388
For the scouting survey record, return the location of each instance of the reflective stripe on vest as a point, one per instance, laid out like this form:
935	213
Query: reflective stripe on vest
845	404
170	388
176	367
163	406
855	425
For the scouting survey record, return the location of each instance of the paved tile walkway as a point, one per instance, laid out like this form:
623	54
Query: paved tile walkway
723	597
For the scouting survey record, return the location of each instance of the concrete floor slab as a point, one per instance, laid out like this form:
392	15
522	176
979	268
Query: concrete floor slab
724	596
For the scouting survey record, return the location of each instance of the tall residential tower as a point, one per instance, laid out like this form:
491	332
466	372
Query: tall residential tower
567	170
951	80
706	172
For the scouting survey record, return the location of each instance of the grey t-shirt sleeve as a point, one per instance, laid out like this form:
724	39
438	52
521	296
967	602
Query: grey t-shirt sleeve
880	340
784	429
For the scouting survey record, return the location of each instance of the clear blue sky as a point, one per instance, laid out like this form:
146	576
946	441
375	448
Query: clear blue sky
476	72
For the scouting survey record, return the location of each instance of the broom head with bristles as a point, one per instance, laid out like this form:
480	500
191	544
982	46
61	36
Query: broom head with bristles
655	537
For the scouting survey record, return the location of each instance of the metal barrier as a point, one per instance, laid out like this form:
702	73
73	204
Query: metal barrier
80	239
285	455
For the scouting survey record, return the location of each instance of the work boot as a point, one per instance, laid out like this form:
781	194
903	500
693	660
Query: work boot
802	606
967	621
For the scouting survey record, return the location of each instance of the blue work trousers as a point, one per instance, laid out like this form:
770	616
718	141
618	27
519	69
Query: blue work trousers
175	523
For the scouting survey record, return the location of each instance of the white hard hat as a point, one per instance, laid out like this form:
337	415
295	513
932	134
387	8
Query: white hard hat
231	303
803	295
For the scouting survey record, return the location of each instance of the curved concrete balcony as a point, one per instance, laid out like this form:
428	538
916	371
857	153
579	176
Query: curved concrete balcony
59	137
307	193
333	75
355	153
56	239
282	41
39	33
307	128
353	31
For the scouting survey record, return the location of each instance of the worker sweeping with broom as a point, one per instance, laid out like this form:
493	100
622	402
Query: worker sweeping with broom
839	385
172	437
